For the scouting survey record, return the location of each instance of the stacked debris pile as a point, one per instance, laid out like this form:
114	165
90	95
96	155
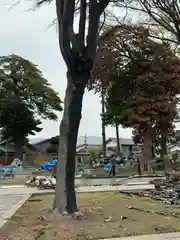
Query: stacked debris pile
167	190
42	182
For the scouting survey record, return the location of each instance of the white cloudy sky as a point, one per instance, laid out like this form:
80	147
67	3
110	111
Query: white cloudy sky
25	33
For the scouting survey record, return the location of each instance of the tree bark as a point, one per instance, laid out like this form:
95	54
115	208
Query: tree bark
65	198
138	167
6	157
117	137
147	151
19	148
163	150
153	151
79	60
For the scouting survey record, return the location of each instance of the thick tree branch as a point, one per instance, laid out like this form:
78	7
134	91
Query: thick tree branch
94	17
102	5
95	10
82	24
65	15
38	3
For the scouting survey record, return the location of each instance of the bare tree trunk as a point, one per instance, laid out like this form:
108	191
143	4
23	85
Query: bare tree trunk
163	150
117	137
103	123
147	151
65	198
153	151
19	148
6	157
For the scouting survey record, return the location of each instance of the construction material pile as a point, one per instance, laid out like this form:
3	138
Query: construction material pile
42	182
168	190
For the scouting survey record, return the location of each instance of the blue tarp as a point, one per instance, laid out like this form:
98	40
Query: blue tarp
108	166
46	165
8	167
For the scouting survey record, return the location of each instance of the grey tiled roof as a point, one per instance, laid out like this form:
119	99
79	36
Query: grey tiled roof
90	140
94	140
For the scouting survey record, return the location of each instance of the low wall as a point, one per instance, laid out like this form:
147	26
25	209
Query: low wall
37	158
6	160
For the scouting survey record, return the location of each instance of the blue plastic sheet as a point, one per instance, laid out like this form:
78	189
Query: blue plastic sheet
46	165
108	166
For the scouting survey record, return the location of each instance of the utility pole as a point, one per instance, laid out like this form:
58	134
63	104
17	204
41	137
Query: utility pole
85	142
6	157
102	121
117	138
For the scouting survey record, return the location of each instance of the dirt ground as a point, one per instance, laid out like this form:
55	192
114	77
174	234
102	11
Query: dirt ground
106	215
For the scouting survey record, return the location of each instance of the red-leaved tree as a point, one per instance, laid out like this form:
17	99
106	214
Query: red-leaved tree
143	80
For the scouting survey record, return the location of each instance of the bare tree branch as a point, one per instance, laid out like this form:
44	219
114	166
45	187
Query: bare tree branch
16	2
162	17
166	13
102	23
54	22
153	10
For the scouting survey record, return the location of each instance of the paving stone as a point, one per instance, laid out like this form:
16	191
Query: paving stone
9	204
165	236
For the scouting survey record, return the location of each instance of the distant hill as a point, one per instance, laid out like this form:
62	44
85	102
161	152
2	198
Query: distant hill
35	140
91	140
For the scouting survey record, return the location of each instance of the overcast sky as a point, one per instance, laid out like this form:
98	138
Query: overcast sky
25	33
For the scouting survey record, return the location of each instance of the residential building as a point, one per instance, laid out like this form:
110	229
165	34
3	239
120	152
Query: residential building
127	146
50	146
8	151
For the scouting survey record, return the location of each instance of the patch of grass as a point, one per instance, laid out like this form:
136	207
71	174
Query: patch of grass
14	181
106	215
41	173
22	181
40	201
47	200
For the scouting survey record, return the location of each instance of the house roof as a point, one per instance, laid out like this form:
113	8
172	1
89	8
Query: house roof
44	141
3	149
35	140
90	140
11	147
